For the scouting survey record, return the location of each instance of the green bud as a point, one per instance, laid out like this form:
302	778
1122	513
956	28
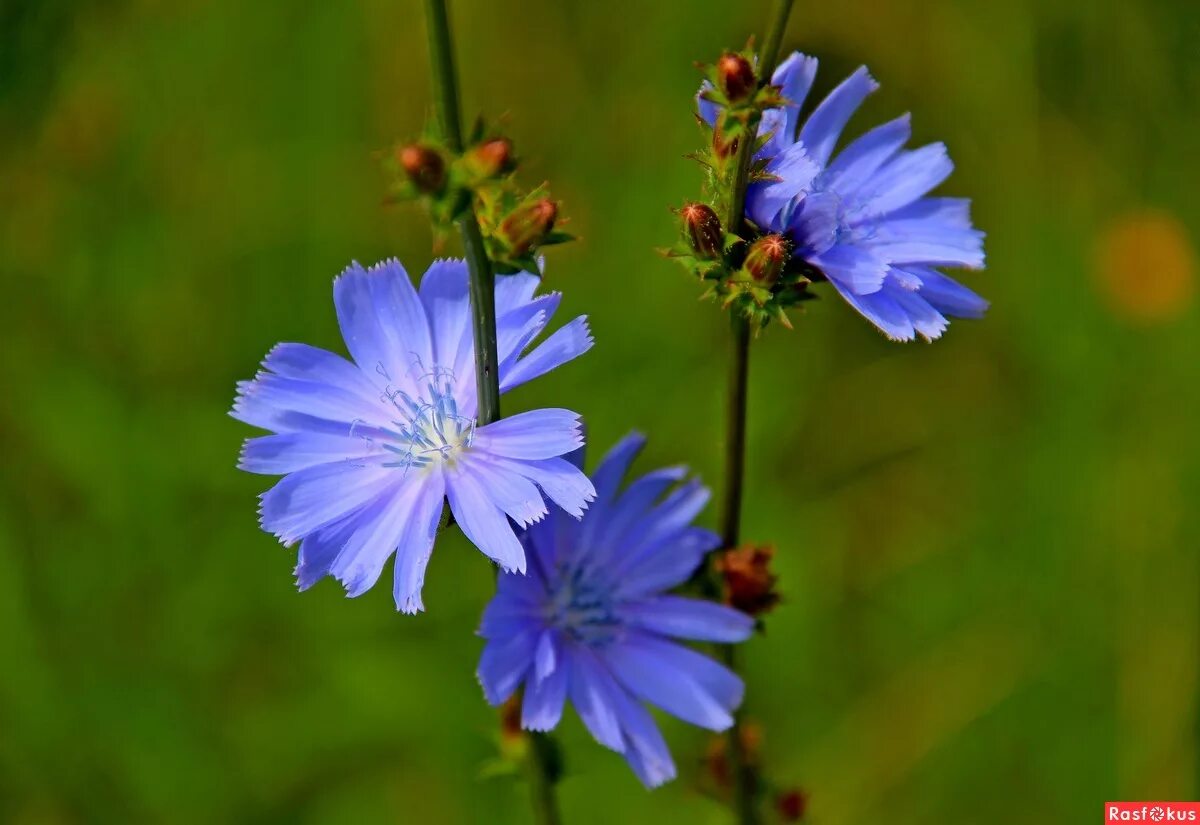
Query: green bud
527	225
490	158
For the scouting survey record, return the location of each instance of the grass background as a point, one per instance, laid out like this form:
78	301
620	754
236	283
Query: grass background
987	546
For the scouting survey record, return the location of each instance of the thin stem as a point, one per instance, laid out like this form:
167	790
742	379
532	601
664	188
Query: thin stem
482	277
747	784
542	770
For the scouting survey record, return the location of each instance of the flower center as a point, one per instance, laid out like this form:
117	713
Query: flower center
429	429
583	610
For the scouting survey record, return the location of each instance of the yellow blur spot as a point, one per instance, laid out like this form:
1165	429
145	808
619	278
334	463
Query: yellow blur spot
1146	267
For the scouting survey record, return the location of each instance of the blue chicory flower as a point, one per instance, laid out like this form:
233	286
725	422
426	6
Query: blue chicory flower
591	622
862	217
369	450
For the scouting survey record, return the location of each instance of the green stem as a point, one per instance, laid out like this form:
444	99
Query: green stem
747	784
541	768
482	277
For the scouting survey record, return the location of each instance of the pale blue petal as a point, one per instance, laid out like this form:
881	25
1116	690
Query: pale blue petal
512	291
562	481
544	433
309	499
821	131
668	679
289	404
669	563
444	294
880	310
323	367
905	178
542	707
503	664
852	268
481	520
707	109
516	495
375	537
765	200
416	544
592	692
948	296
645	749
702	621
927	321
855	164
795	77
288	452
565	343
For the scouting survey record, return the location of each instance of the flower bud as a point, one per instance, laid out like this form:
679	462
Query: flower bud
491	158
724	148
424	166
735	76
791	805
749	582
527	225
766	258
703	229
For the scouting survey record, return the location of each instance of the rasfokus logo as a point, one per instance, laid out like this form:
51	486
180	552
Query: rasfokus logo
1152	812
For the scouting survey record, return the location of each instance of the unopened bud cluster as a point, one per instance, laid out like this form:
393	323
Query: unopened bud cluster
515	224
752	274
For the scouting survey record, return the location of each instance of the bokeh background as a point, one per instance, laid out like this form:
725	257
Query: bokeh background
987	545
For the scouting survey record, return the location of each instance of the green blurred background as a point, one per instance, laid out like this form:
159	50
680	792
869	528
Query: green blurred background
987	545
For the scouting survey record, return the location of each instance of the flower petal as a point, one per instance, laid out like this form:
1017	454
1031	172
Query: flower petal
592	691
504	663
696	619
544	699
852	268
516	495
289	404
855	164
564	344
907	177
562	481
880	310
821	131
545	433
947	295
416	544
444	294
289	452
645	749
309	499
680	681
481	519
667	675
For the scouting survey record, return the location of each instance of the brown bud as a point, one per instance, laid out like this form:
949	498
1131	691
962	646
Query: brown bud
424	166
723	148
510	719
791	805
766	258
716	755
735	76
527	225
749	582
491	158
703	229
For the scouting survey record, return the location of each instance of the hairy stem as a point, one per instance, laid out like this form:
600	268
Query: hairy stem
482	277
541	769
746	780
